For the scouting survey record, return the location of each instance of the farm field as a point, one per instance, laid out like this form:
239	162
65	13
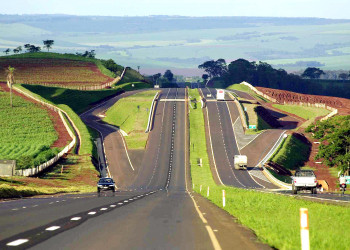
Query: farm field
52	68
131	115
25	130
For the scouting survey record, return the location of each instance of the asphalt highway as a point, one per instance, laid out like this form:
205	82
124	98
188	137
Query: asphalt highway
154	209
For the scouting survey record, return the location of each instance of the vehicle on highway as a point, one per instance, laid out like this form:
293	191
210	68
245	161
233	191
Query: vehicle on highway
240	161
342	183
220	95
304	180
105	184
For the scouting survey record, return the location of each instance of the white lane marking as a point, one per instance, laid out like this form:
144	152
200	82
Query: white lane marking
120	203
17	242
53	228
51	203
57	201
92	213
212	151
35	205
213	238
24	207
103	209
126	201
76	218
126	150
113	205
14	209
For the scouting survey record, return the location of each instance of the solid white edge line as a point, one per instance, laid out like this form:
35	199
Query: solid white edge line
212	151
17	242
126	151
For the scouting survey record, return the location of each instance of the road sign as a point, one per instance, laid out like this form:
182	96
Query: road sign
252	126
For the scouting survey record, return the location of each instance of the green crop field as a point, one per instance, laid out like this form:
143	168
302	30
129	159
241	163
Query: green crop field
25	130
254	209
131	115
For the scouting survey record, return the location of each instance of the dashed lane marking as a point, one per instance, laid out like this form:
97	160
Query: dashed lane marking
53	228
92	213
75	218
17	242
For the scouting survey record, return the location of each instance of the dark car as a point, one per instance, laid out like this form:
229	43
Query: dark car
106	184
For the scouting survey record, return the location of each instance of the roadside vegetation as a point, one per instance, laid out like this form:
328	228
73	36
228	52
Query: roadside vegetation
307	113
250	207
334	135
26	132
244	88
292	153
131	115
72	175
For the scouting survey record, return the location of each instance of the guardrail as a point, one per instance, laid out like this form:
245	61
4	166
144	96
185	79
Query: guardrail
40	168
241	111
151	114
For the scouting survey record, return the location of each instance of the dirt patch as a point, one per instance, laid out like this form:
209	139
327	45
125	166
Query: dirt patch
342	104
63	135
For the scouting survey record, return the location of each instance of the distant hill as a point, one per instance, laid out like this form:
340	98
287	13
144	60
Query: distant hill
157	43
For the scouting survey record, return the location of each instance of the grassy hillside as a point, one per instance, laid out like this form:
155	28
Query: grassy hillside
131	115
26	130
53	68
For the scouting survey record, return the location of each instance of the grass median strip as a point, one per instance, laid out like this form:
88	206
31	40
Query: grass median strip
274	218
131	115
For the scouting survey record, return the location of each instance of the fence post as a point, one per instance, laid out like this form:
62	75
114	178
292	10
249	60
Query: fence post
304	229
223	198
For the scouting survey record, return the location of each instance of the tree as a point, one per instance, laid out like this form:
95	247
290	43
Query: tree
10	80
156	77
214	68
89	54
15	51
169	75
312	73
7	51
48	44
205	77
19	48
31	48
343	76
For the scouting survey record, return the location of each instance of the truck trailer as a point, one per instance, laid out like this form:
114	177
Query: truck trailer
220	94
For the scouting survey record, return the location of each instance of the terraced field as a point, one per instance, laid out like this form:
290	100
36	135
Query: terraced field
54	71
25	130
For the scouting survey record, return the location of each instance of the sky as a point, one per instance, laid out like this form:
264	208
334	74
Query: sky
335	9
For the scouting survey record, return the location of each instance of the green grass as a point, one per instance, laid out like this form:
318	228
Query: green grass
292	153
308	113
131	75
254	209
78	176
131	115
78	100
25	130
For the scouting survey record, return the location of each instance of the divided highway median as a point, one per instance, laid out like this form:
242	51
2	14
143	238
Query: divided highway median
274	218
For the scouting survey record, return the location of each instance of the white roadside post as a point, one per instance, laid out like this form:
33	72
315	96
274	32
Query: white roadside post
193	186
200	189
208	192
304	229
223	198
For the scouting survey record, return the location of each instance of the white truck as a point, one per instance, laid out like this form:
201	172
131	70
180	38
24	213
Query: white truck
220	94
240	161
304	180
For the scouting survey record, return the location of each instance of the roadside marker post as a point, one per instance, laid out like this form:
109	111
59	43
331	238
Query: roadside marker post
200	189
208	192
304	229
223	198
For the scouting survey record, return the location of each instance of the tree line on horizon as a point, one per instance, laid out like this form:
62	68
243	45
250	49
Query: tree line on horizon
263	74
